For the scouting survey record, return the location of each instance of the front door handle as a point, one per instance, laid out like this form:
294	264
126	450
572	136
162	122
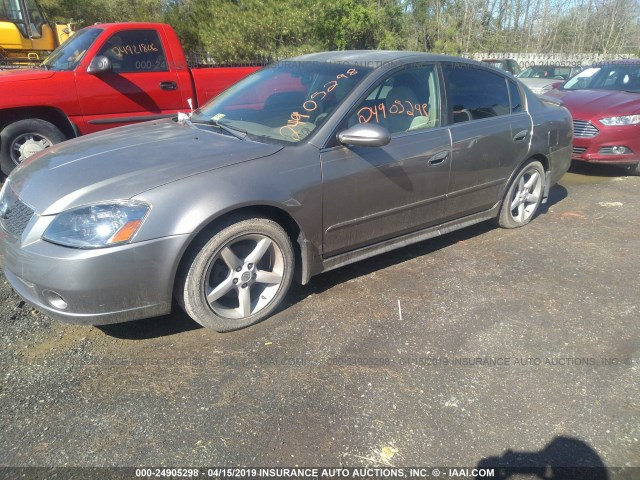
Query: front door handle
168	85
520	136
439	157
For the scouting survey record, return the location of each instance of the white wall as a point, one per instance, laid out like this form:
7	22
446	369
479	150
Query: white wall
527	59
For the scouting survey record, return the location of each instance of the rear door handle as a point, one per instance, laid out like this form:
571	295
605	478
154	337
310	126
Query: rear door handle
520	136
168	85
439	157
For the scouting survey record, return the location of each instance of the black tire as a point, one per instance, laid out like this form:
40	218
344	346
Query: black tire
520	206
634	170
18	131
205	272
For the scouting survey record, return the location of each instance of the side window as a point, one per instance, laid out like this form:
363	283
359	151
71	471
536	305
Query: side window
621	78
407	100
135	51
516	98
11	10
475	93
36	18
610	80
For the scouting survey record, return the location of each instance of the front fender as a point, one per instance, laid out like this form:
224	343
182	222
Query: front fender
289	181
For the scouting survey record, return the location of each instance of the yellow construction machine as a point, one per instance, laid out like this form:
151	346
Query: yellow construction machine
26	37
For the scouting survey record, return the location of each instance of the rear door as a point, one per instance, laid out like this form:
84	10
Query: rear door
490	137
140	87
374	193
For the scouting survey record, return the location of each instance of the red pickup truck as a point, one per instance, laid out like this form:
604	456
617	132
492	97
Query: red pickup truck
105	76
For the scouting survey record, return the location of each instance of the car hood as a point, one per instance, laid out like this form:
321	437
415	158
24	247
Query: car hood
19	75
596	104
124	162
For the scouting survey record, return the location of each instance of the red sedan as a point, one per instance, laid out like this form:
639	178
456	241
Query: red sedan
604	101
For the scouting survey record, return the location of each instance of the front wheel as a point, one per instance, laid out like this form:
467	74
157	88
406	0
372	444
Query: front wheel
19	140
238	276
634	169
523	197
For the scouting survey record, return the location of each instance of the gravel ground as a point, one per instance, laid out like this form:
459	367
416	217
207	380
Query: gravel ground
373	364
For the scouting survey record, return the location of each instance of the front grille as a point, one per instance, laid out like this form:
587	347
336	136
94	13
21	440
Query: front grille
584	129
578	150
16	217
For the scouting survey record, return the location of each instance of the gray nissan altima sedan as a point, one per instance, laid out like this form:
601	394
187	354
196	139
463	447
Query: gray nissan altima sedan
305	166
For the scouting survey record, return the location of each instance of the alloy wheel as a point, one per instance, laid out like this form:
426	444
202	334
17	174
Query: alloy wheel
526	196
244	276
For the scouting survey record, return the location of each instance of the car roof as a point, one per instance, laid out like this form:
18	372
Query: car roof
555	65
377	58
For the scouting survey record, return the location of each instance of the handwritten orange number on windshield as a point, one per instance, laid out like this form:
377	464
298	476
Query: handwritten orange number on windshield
311	105
333	84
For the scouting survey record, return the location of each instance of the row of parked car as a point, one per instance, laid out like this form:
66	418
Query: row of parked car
604	100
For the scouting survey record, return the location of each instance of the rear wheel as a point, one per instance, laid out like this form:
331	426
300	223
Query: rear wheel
523	197
238	276
19	140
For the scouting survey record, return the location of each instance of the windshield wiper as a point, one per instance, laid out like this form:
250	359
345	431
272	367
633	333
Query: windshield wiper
239	133
235	131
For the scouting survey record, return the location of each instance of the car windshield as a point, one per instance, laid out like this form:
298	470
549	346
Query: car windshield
283	103
546	72
69	54
625	77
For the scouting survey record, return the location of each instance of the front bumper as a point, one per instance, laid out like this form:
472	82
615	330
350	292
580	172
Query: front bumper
597	149
97	287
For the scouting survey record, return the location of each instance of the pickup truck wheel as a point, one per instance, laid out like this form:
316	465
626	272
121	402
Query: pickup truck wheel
238	276
523	196
21	139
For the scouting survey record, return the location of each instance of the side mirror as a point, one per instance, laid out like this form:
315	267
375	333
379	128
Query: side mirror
99	64
365	135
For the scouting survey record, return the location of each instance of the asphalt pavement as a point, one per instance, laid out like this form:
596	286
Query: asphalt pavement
482	346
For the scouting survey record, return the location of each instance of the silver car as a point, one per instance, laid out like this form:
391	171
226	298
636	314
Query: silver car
544	78
305	166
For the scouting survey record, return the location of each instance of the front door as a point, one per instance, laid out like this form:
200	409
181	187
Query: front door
139	85
375	193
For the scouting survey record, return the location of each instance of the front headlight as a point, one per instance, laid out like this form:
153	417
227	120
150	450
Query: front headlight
97	225
4	200
624	120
